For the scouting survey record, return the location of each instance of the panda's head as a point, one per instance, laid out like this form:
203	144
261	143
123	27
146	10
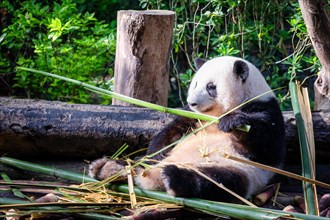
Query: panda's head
223	83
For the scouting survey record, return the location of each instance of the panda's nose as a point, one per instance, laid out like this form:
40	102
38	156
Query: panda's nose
193	104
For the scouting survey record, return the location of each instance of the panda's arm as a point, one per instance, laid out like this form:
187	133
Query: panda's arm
171	133
238	119
257	114
266	138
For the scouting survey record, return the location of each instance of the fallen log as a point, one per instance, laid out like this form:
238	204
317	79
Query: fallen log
54	129
321	125
37	128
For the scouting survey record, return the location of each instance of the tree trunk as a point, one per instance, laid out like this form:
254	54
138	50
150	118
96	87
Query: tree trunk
317	19
142	55
44	129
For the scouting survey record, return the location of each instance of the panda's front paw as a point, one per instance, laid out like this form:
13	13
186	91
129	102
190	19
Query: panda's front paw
232	121
103	168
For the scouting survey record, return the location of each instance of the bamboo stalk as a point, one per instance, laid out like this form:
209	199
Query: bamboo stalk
310	195
130	100
23	165
131	186
211	207
138	102
264	196
279	171
219	208
14	203
11	205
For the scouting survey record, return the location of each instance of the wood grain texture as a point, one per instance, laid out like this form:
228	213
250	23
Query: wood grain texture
142	55
62	130
56	129
316	14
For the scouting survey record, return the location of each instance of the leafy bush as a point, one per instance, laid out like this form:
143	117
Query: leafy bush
64	37
270	34
53	36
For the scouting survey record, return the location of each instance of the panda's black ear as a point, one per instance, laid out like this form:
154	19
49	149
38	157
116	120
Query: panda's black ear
241	69
199	62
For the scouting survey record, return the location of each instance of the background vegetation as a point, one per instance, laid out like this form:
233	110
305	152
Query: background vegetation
76	38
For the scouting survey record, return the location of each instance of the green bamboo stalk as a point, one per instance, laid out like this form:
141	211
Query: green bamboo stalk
130	100
58	205
23	165
219	208
6	201
39	185
215	208
138	102
304	146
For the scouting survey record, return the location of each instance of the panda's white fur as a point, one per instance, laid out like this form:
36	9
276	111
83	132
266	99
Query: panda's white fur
205	149
230	93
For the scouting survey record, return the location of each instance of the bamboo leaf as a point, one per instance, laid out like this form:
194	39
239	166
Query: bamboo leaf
16	191
119	151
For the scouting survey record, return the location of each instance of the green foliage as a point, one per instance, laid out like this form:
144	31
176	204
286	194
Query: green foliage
66	38
107	9
270	34
53	36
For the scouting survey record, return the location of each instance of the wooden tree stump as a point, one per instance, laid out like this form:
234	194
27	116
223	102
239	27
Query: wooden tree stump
142	55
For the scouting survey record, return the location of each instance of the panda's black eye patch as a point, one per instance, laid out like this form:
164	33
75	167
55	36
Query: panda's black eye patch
211	89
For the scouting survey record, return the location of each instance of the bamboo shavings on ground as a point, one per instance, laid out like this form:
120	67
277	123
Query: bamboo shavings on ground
209	207
76	199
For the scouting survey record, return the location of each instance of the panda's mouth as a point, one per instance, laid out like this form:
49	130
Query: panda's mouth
200	109
205	106
210	110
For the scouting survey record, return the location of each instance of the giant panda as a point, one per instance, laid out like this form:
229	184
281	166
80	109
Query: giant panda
220	85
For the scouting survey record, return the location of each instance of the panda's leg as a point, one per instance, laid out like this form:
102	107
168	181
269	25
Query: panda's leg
149	179
188	183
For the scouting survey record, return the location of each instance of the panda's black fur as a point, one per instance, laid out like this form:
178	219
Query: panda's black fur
264	143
